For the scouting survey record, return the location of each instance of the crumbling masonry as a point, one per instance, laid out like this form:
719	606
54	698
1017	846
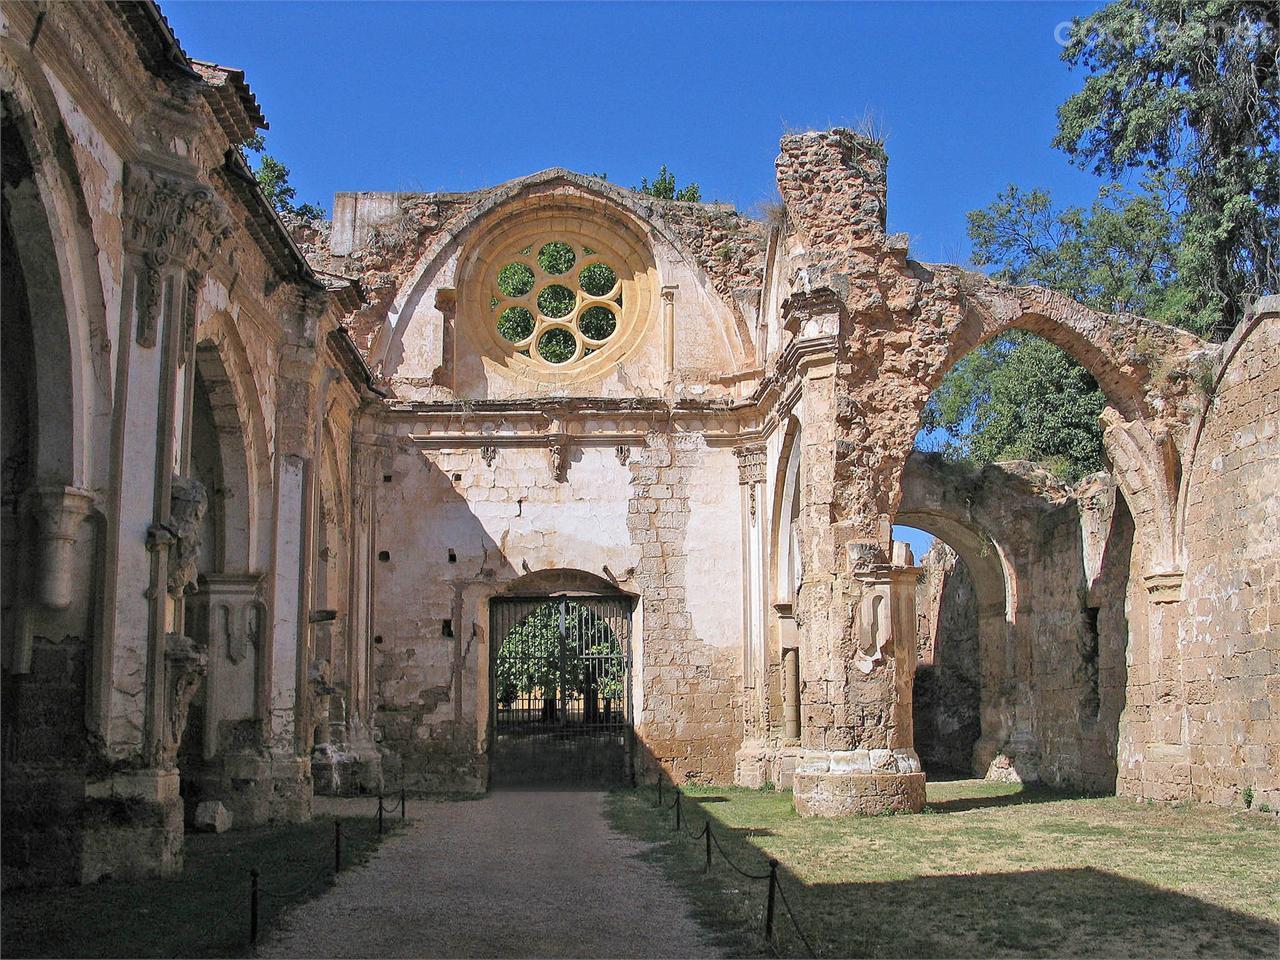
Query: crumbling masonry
263	481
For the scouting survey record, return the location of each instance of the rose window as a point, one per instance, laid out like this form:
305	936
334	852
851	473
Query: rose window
557	302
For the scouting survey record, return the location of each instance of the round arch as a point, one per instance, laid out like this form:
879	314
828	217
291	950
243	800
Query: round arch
232	500
58	256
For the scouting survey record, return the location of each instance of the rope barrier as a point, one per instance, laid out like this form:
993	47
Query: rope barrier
795	923
257	891
776	891
738	869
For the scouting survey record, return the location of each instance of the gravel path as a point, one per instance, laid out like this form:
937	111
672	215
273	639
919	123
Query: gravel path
515	874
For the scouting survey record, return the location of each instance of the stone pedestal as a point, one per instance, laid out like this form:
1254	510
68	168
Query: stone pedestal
131	826
837	783
751	764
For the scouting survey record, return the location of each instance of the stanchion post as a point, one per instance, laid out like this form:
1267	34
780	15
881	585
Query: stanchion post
402	802
707	836
768	910
253	905
337	846
678	796
379	814
659	789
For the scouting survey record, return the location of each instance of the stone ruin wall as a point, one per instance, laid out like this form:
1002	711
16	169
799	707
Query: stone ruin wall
945	694
458	529
1228	641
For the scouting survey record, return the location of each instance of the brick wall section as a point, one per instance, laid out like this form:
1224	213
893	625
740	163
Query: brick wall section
1230	635
691	722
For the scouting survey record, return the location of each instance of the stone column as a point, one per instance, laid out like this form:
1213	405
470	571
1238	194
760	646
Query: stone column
855	609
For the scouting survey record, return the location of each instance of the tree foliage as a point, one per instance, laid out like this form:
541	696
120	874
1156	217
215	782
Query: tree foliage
530	660
273	179
1119	255
1192	91
1187	98
1019	397
664	187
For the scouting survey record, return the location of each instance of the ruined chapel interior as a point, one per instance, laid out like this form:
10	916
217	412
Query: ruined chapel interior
559	481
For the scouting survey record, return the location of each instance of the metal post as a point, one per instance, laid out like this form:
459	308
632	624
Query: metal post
253	905
337	846
768	910
659	788
678	796
379	814
707	834
401	802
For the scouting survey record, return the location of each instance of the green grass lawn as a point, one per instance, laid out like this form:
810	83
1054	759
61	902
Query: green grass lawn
989	869
202	913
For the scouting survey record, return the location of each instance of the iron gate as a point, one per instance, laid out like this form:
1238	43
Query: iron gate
561	690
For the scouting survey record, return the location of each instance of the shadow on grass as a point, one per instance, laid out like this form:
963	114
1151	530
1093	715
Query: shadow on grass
1080	911
204	912
1053	912
1028	794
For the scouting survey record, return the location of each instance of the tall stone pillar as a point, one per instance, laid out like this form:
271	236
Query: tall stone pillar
147	668
287	655
854	608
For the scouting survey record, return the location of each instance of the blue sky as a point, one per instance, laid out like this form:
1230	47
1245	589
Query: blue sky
441	96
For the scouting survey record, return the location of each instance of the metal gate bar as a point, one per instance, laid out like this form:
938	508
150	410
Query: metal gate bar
561	689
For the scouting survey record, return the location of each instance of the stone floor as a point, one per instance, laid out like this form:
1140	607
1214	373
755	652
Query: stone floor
515	874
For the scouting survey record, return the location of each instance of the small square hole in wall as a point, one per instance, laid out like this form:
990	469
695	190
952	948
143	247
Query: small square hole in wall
446	628
457	478
378	639
453	557
384	555
386	478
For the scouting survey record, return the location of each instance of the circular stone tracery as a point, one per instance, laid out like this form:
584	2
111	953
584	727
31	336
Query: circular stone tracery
559	304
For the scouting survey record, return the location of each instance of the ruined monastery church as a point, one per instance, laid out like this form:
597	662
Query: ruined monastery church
559	480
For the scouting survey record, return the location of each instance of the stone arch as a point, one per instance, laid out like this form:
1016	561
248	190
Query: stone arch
633	213
939	501
76	363
1120	351
557	580
1143	421
232	505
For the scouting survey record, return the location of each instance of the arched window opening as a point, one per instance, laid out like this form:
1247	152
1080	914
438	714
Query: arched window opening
946	692
1017	397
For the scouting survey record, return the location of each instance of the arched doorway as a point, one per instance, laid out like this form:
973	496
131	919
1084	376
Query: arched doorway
560	688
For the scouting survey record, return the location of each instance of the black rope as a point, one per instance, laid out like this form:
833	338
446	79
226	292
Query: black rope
749	876
700	834
288	894
795	923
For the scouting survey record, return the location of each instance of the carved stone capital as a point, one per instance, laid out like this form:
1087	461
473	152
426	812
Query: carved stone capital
58	512
169	221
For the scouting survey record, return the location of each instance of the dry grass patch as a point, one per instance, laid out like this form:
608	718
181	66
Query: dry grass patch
988	870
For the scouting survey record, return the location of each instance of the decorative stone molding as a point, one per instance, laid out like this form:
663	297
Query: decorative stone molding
186	662
488	453
187	504
624	453
169	221
58	512
559	457
751	463
816	313
1164	587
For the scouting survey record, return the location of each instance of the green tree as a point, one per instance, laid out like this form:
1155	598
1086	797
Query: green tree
533	661
1191	89
1188	97
664	187
273	178
1118	255
1019	397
